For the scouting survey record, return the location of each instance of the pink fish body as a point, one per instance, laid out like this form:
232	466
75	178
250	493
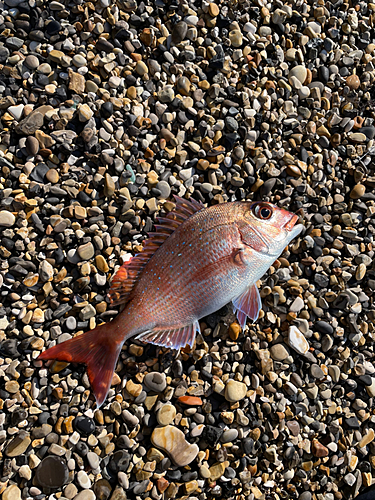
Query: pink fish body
197	261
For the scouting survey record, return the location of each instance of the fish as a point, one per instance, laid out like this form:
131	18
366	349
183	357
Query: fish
195	262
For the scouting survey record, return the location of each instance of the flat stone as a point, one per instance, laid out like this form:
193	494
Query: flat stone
18	445
190	400
109	186
30	124
278	352
86	251
166	414
367	438
297	341
179	32
32	145
7	219
172	441
85	495
16	111
52	472
299	72
12	492
235	391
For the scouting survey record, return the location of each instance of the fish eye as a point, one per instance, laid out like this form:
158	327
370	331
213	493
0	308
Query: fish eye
262	212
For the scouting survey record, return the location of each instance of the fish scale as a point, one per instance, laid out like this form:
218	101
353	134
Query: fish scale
197	261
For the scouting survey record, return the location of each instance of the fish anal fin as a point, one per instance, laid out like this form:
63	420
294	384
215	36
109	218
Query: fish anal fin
173	338
123	281
248	304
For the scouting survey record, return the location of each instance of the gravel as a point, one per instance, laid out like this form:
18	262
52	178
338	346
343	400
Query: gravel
109	109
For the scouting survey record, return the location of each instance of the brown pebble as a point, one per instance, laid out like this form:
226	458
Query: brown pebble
32	145
213	9
234	330
319	450
52	176
353	82
357	192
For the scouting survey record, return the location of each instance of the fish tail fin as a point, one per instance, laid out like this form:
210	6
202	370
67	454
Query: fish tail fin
97	350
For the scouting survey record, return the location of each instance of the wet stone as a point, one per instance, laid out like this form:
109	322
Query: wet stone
52	472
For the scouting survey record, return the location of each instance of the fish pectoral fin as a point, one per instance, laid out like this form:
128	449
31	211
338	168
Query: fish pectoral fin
248	304
174	338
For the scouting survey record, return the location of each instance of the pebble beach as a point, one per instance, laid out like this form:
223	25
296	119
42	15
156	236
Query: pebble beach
107	110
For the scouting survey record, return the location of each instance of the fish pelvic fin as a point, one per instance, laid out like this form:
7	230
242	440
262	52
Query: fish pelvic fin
127	275
174	338
97	350
248	304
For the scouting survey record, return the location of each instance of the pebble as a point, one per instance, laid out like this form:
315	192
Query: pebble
235	391
155	381
278	352
297	340
52	472
166	414
171	440
18	445
108	112
7	219
12	492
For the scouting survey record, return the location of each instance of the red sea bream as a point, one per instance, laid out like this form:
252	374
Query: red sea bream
197	260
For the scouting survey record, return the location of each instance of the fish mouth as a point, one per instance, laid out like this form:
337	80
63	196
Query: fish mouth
293	229
291	223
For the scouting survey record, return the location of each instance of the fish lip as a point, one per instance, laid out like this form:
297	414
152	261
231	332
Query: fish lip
288	226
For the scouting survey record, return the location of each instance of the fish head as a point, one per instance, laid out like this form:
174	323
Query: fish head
268	229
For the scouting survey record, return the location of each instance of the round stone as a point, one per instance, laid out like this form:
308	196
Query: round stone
52	472
213	9
166	95
52	176
86	251
83	480
164	188
141	68
84	425
79	61
235	391
278	352
299	72
356	193
32	62
353	82
166	414
7	219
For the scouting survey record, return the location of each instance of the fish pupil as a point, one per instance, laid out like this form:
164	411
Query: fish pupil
265	213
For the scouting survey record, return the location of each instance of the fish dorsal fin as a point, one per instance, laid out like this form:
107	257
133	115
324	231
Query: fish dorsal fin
248	304
174	338
125	278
